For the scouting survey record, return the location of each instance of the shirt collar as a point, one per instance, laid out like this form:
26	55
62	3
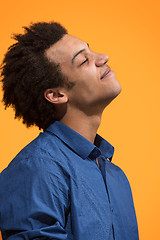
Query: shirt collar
80	145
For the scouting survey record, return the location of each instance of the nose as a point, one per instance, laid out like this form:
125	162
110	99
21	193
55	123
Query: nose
101	59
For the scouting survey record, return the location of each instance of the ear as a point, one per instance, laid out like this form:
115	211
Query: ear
55	96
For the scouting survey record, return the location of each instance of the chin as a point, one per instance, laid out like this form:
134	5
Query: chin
118	90
113	94
115	90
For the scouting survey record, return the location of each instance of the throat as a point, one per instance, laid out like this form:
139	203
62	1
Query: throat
85	125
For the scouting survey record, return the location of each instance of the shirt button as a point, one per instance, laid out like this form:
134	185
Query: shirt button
112	209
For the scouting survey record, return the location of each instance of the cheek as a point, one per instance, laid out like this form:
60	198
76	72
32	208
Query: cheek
89	77
88	84
84	93
86	81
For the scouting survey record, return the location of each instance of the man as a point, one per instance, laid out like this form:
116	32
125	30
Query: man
63	185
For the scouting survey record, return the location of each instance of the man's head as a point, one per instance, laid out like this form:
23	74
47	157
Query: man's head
95	85
47	69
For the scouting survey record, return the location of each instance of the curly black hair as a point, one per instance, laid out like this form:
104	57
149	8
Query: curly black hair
27	73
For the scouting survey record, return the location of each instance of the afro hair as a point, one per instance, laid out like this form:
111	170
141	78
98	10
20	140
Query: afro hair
27	73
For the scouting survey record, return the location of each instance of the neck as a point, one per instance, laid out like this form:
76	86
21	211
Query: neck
85	125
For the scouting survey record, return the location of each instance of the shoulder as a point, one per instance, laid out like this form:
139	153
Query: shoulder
33	182
35	172
39	158
44	147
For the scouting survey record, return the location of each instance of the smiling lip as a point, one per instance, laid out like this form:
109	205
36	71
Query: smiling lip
106	72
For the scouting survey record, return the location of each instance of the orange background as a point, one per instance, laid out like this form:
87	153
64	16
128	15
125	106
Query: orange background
128	32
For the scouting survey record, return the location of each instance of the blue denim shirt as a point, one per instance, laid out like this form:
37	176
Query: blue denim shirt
54	189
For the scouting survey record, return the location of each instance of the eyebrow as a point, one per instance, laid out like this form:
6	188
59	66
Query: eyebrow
82	50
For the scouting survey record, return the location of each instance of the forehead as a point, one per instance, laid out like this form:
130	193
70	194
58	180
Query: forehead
64	49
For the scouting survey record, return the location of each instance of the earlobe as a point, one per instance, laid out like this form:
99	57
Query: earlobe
55	96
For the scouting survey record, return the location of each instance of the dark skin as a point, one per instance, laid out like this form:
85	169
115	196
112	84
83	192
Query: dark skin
81	107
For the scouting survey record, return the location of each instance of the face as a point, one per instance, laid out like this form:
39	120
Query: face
95	83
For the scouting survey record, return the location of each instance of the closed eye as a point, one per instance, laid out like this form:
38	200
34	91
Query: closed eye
84	62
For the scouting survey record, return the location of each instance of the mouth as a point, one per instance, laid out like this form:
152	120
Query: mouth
106	72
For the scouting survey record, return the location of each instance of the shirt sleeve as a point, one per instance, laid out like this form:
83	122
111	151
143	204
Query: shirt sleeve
36	202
